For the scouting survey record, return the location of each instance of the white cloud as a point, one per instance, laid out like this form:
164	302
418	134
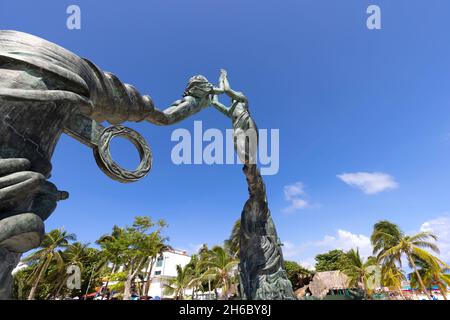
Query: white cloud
290	250
194	248
294	190
369	183
304	253
441	227
345	240
293	194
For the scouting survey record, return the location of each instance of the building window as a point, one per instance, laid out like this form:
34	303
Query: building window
159	261
157	273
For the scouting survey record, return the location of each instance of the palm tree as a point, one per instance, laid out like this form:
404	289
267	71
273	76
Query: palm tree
74	255
232	244
111	251
176	286
47	253
358	271
385	235
390	245
220	268
196	272
392	277
432	275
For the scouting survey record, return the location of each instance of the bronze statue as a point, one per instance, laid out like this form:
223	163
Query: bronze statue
46	90
245	132
262	276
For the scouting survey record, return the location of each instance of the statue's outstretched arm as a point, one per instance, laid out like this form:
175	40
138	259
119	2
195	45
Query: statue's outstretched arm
178	111
197	96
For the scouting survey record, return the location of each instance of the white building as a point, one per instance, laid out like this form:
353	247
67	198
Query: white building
165	267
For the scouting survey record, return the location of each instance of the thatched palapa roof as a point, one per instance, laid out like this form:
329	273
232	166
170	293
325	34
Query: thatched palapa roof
323	282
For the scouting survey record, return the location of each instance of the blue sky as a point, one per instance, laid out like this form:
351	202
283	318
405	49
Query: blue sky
345	99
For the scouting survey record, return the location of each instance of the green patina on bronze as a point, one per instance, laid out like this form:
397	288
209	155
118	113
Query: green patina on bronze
261	272
46	91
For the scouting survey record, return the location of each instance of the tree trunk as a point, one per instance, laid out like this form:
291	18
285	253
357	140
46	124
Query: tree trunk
401	293
88	286
419	278
33	290
130	277
363	284
128	284
443	292
224	293
60	286
148	279
113	269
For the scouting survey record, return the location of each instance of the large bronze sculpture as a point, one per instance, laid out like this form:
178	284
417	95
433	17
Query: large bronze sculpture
261	260
45	91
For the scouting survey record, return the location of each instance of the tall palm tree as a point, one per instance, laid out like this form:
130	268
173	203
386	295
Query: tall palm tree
177	286
111	251
359	271
392	277
73	255
196	272
390	245
47	253
221	268
432	275
232	244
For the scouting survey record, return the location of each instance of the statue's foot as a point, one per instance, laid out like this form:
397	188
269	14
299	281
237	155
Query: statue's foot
22	232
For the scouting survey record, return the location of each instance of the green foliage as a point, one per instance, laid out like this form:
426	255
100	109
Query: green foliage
431	275
331	261
220	268
47	261
177	286
295	272
358	271
385	235
391	244
392	277
134	248
232	244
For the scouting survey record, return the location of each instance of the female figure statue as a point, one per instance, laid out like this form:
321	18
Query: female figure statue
261	260
245	130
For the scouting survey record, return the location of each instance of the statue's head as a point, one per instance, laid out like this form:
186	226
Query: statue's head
198	87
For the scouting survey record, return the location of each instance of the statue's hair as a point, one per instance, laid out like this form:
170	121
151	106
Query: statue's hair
196	83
